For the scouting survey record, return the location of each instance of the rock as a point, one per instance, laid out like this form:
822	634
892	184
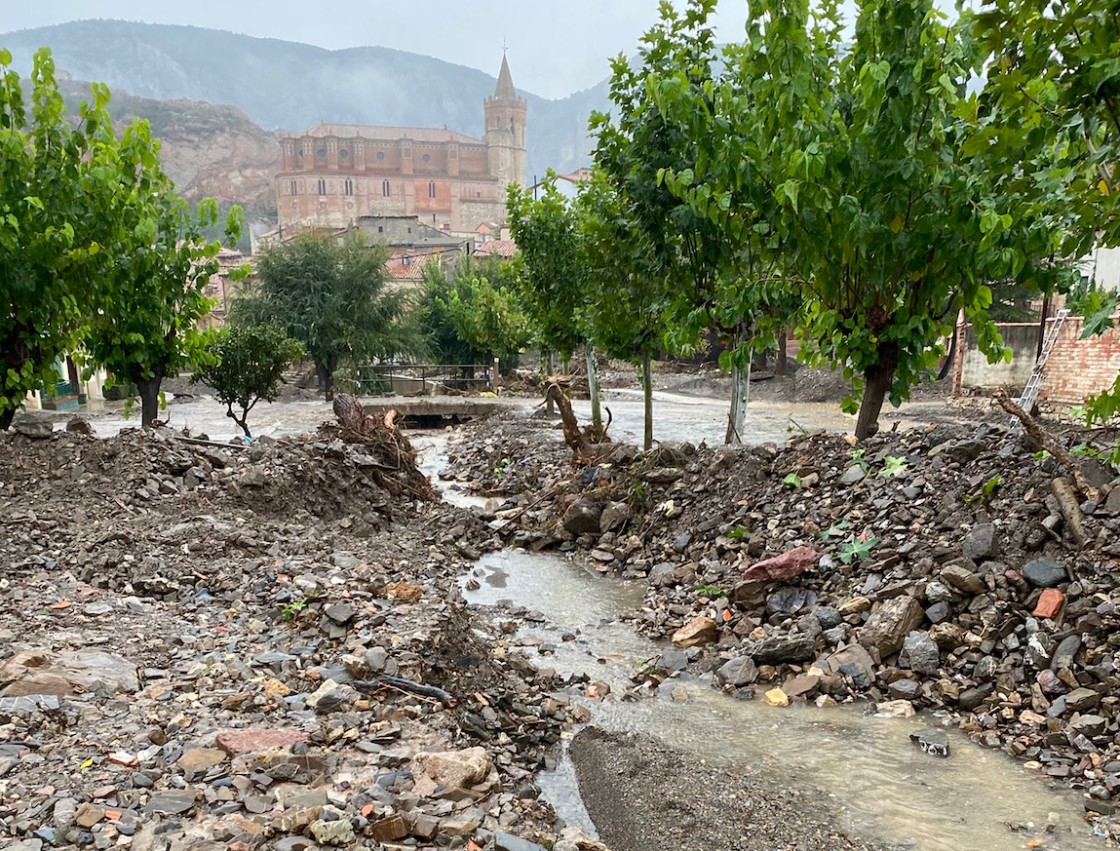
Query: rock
931	741
920	654
853	662
338	832
64	673
1089	725
888	625
614	517
896	709
574	839
256	740
782	648
201	759
855	606
963	579
406	592
699	631
661	475
254	477
172	803
86	816
340	612
904	689
785	566
1065	653
672	660
460	774
1049	603
582	518
509	842
790	600
463	824
853	475
33	429
1081	699
388	829
326	698
828	617
947	636
737	672
802	686
970	699
776	697
981	543
1045	572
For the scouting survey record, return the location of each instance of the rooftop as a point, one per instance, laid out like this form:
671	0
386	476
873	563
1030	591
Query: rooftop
389	134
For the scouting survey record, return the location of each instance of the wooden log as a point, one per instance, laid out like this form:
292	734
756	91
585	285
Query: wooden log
1070	508
1050	444
411	686
572	434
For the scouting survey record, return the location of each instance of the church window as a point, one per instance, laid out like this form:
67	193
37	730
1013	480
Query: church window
321	153
344	154
349	186
292	189
322	186
432	189
427	158
380	155
385	188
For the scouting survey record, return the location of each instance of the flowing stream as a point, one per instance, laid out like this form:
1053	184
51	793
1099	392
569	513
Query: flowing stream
882	784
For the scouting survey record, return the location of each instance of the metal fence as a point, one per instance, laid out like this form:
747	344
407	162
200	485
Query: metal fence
424	379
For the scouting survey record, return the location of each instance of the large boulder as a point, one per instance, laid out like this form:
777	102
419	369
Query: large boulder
920	654
582	518
889	625
458	775
783	648
696	632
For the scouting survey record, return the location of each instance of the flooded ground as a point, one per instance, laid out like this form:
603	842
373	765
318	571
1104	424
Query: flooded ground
889	789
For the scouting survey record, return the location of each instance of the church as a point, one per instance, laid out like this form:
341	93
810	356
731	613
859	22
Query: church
335	173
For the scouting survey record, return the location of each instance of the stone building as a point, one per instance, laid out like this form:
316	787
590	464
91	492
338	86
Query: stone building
334	174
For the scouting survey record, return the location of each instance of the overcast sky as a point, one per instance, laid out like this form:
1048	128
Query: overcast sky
555	46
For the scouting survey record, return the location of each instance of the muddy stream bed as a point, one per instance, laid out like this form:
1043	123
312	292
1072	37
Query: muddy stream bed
865	766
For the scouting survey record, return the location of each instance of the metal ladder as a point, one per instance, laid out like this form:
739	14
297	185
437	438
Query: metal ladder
1030	392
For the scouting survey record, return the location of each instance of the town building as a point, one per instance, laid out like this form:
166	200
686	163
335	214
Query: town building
334	174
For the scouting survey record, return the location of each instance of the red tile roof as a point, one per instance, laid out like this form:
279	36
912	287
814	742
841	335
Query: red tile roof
497	247
409	267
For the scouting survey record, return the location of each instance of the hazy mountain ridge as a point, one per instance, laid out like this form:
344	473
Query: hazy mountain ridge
290	86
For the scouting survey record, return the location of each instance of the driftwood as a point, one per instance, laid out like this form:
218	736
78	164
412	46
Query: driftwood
1050	444
410	686
572	434
1070	508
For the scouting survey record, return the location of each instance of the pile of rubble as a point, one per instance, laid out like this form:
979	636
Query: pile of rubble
930	568
210	647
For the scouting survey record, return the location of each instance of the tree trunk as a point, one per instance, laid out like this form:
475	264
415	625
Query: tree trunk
593	389
740	394
647	389
951	357
148	388
876	384
781	363
241	421
546	368
326	379
6	417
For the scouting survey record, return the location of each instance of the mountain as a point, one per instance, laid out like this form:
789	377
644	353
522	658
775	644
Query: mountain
287	86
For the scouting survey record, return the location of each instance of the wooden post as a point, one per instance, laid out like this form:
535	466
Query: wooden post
494	375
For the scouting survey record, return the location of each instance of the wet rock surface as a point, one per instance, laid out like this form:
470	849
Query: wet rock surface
945	576
243	647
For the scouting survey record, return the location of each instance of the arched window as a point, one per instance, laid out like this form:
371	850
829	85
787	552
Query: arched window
432	189
385	188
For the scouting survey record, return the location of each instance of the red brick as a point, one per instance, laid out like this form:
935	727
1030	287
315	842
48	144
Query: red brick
1049	604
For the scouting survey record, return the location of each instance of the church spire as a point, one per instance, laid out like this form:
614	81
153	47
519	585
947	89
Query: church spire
505	89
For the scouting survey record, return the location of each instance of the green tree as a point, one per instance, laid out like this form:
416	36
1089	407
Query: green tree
434	317
146	327
247	365
333	296
627	298
484	310
894	224
555	285
62	188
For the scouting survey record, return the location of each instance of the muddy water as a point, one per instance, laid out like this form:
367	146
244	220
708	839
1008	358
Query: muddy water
884	786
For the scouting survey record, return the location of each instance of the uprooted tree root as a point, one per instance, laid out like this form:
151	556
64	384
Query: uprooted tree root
392	458
586	445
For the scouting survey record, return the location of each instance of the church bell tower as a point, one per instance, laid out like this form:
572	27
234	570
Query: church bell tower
505	131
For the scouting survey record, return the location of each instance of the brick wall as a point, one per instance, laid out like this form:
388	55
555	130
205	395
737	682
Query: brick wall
1077	368
1080	368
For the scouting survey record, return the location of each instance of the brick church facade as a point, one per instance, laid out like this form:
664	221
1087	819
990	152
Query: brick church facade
335	173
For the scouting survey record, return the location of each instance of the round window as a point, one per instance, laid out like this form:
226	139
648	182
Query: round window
344	154
427	158
321	153
381	155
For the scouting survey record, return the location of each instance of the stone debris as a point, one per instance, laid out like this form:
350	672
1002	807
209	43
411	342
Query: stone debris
182	626
930	566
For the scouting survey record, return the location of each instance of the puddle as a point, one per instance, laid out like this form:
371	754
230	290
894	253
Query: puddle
884	786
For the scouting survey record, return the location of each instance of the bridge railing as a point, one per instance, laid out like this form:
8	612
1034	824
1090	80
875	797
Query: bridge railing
423	379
